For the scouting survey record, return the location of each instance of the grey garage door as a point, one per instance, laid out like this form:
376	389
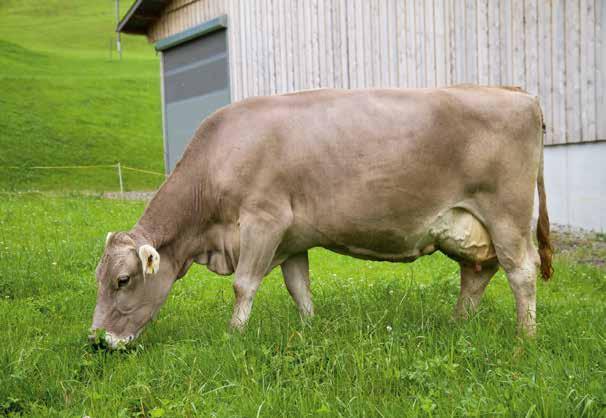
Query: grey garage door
195	77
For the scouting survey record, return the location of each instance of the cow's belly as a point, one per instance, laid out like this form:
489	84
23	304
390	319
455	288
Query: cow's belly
455	232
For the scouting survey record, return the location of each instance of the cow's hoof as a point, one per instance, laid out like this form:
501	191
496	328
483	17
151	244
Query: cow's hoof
236	327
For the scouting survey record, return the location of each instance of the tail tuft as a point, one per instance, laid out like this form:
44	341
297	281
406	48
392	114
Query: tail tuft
545	248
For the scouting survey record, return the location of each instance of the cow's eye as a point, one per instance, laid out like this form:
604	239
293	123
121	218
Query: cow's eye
123	281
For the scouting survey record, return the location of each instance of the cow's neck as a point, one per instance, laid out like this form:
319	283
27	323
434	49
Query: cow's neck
173	218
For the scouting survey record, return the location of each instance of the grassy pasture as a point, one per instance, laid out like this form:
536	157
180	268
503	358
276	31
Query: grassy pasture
63	101
382	343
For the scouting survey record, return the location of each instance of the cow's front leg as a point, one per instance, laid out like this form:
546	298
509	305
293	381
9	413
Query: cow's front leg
245	288
296	276
258	243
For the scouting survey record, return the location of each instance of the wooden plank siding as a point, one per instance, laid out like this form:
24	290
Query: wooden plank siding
555	49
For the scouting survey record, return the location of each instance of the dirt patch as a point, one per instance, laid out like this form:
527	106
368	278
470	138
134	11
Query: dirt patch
144	196
580	246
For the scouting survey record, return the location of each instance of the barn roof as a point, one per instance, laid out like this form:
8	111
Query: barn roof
141	15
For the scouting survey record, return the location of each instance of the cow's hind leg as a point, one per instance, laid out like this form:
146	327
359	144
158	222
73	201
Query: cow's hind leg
258	243
518	257
296	276
522	280
473	283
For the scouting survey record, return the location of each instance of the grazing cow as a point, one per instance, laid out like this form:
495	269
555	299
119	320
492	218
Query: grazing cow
386	174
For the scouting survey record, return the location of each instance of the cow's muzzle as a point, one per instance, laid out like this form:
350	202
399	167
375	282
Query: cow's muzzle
102	339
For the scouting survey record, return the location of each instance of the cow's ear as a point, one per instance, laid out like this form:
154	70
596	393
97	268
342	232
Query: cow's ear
107	237
150	259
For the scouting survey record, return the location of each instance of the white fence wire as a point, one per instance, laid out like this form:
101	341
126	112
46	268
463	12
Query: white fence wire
119	167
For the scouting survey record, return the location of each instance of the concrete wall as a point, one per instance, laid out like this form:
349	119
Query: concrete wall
575	180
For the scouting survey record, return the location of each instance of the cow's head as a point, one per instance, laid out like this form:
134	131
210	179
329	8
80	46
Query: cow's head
133	283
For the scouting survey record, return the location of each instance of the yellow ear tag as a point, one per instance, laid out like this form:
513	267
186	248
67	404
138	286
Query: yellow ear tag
150	264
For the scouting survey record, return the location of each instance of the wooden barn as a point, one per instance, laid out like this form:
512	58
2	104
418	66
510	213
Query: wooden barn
214	52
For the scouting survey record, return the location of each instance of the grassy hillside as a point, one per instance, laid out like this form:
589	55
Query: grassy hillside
63	101
382	343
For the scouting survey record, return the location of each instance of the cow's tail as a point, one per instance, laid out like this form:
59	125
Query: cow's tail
545	248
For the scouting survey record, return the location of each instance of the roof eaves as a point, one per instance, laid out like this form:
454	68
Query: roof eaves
140	15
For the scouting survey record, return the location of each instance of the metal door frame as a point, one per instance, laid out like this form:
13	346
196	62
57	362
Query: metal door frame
172	41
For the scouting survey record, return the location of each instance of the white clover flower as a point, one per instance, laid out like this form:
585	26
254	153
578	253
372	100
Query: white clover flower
389	328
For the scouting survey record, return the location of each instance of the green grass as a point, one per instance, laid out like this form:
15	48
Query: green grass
346	362
63	101
382	343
